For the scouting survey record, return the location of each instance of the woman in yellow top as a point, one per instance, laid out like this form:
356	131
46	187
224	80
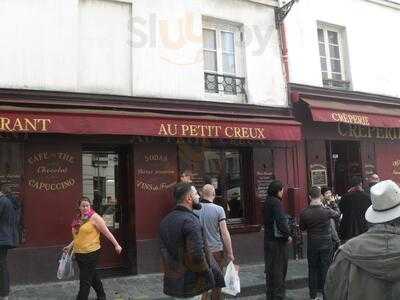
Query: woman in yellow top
86	229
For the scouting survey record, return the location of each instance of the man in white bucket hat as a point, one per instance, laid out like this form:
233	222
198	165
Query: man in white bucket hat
367	267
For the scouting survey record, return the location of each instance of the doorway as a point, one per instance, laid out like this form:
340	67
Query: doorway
344	163
105	182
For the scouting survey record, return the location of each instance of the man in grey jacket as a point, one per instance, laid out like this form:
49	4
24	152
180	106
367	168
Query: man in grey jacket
368	266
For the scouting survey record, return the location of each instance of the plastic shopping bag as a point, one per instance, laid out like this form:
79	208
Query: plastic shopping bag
65	266
232	280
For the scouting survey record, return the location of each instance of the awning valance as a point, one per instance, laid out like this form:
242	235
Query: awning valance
354	113
19	120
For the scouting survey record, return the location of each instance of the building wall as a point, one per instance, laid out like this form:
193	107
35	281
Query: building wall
140	48
371	30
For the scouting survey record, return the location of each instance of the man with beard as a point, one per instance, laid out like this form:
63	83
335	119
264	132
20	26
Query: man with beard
189	269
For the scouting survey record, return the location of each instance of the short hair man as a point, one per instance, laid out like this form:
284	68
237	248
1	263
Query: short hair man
372	180
316	220
9	234
189	270
213	219
353	206
186	176
367	266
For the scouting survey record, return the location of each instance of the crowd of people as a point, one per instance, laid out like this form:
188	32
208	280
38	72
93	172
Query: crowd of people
353	242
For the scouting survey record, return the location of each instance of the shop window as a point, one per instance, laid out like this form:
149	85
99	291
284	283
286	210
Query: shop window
100	184
223	60
225	170
11	165
331	42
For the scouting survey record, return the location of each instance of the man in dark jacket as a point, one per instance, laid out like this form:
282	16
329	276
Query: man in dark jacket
276	239
9	235
353	206
316	220
368	266
189	270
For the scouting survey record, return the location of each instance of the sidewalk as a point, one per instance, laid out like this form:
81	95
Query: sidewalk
149	286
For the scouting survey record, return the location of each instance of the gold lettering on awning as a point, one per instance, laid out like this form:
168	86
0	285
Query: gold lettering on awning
24	124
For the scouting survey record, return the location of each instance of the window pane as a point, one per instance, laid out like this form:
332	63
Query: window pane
324	75
333	37
336	76
335	65
320	35
209	40
228	63
228	43
322	50
11	168
323	64
234	185
334	51
100	184
210	60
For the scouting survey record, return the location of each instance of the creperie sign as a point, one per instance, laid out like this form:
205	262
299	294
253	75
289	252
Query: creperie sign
24	124
211	131
350	118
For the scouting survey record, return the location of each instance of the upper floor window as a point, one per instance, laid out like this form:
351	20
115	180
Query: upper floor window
223	59
332	57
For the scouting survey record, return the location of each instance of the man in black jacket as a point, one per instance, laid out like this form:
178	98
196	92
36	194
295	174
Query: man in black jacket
353	206
189	269
9	234
316	220
276	239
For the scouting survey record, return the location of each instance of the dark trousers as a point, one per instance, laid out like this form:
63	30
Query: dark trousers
319	261
4	276
276	263
88	276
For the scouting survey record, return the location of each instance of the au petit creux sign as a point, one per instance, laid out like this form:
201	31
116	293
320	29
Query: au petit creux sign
211	131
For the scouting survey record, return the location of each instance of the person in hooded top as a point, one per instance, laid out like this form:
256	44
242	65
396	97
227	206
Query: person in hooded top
367	267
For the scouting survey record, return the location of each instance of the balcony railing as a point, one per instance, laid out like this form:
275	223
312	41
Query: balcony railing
226	84
336	84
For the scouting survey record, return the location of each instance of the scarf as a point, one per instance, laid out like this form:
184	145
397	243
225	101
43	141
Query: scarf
81	219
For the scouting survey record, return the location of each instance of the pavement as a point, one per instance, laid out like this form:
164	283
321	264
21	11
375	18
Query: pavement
149	286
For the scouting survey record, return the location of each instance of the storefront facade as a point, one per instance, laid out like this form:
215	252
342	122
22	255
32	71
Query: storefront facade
126	157
347	134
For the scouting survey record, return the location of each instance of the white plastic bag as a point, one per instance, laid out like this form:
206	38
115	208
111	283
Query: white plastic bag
65	266
232	280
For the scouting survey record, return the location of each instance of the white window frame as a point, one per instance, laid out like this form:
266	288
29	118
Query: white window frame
220	26
342	53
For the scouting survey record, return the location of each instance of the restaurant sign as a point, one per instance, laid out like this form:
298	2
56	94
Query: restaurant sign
211	131
359	131
158	126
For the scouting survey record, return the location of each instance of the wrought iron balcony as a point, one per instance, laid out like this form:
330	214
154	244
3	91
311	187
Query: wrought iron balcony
336	84
229	85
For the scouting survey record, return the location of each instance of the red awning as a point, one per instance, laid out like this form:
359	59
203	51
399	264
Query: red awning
17	119
354	113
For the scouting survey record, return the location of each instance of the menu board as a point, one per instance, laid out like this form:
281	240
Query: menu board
263	171
319	177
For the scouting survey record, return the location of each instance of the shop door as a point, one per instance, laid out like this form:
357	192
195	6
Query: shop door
104	174
345	163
